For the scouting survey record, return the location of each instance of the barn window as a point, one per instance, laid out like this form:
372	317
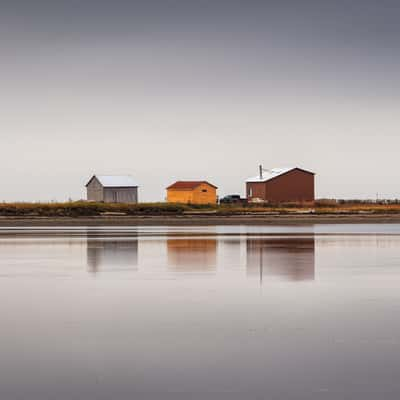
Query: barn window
204	190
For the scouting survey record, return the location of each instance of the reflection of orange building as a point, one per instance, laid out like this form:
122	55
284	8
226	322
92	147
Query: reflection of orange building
192	254
192	192
290	258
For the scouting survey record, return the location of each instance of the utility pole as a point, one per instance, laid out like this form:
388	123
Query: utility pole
261	263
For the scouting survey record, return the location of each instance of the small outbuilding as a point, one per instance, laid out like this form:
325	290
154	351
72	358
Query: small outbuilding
112	189
279	185
192	192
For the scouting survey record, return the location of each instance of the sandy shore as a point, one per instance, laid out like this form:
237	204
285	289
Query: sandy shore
200	220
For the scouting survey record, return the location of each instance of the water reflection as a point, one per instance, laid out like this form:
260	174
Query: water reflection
291	258
192	255
164	334
111	254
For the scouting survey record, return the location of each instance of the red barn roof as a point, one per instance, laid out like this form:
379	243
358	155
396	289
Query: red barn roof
188	185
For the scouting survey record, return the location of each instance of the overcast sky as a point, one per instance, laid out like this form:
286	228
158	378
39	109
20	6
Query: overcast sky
168	90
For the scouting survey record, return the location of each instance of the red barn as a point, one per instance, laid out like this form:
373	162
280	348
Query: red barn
281	185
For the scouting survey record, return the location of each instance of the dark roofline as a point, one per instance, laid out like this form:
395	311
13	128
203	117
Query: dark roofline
90	180
194	187
303	170
290	170
104	186
119	187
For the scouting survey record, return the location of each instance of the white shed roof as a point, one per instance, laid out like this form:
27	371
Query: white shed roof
116	180
270	174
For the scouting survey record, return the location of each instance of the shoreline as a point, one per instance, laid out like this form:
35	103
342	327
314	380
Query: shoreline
187	220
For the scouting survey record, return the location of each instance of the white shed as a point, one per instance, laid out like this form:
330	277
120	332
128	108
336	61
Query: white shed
112	189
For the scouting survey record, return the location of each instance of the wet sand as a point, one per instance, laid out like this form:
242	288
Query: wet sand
186	220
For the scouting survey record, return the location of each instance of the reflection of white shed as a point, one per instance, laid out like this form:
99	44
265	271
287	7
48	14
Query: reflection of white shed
112	189
111	255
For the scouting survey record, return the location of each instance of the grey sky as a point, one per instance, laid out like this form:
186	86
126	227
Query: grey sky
205	89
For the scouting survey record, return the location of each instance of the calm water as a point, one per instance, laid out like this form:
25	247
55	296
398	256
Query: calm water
308	312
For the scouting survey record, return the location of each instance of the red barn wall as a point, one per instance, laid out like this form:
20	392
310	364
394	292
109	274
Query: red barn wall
294	186
258	190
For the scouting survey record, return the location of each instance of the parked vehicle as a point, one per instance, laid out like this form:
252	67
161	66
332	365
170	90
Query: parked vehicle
233	199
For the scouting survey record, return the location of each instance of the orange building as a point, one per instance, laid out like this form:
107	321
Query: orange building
192	192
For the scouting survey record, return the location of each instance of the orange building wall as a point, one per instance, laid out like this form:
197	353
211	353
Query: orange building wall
195	196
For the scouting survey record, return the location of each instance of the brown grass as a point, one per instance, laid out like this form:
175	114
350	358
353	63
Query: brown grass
83	208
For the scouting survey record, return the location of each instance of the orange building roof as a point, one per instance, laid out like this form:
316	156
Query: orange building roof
188	185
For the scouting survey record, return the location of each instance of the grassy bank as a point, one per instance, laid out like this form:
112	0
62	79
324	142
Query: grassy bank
89	209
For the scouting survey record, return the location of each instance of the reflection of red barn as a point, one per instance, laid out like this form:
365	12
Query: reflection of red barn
288	258
281	185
